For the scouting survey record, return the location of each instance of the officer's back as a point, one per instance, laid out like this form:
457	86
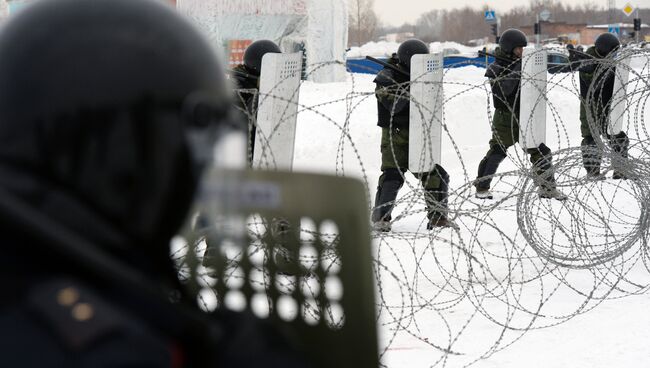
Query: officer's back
103	138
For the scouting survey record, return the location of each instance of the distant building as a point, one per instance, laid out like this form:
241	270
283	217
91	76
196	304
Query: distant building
580	33
563	31
626	30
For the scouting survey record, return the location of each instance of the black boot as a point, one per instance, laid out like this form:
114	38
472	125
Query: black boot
591	158
620	144
489	166
390	182
436	201
542	160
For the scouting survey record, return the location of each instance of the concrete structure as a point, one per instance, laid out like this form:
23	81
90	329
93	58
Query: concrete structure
316	27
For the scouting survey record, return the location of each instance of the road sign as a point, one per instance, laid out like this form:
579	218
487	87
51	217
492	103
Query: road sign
628	9
545	15
490	16
614	29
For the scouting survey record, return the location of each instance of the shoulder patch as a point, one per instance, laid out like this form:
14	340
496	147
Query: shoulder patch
75	314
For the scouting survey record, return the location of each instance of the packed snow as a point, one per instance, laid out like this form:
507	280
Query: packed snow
385	49
517	309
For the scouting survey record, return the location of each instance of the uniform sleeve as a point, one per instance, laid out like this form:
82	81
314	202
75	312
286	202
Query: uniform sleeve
62	323
582	63
394	96
246	90
504	81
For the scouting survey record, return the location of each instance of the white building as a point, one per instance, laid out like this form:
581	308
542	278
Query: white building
317	27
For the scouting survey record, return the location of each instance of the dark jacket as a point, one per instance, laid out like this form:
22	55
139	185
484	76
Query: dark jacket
596	77
88	205
247	85
505	79
392	92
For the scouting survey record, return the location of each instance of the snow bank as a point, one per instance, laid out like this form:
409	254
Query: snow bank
385	49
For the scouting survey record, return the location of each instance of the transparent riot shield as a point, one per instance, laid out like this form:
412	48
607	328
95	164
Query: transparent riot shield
619	103
277	111
425	120
293	249
532	113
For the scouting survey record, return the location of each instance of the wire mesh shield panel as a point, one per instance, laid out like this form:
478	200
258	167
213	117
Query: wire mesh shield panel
532	114
425	120
277	111
295	249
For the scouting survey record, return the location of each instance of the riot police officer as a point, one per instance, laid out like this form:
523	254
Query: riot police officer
597	74
505	80
110	110
392	86
247	80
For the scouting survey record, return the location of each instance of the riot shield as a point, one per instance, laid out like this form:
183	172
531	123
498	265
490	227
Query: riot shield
425	120
532	113
619	103
277	111
293	249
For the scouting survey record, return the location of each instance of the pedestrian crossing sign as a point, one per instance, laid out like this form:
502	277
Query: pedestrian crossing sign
490	16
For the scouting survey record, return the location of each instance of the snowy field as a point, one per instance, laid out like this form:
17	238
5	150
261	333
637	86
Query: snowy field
525	282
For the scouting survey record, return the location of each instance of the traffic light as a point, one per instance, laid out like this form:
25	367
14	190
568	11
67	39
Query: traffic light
538	28
494	29
637	24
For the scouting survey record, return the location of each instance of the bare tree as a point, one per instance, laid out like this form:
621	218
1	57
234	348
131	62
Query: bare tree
363	21
429	26
464	24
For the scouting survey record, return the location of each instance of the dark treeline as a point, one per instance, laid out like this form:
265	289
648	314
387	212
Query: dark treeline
462	25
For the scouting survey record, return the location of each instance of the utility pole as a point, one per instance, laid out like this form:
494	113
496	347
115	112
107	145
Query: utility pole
538	32
637	25
359	23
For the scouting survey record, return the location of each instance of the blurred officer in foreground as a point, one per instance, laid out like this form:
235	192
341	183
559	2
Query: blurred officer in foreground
109	110
392	92
505	80
597	75
247	81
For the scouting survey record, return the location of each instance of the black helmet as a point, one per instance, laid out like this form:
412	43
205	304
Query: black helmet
606	43
409	48
256	50
103	115
511	39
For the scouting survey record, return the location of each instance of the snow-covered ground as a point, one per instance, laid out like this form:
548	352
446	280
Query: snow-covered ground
483	294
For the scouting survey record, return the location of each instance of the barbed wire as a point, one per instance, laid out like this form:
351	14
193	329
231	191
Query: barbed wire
517	263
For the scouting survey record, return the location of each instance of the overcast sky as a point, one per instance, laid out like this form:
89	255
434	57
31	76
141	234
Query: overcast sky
397	12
